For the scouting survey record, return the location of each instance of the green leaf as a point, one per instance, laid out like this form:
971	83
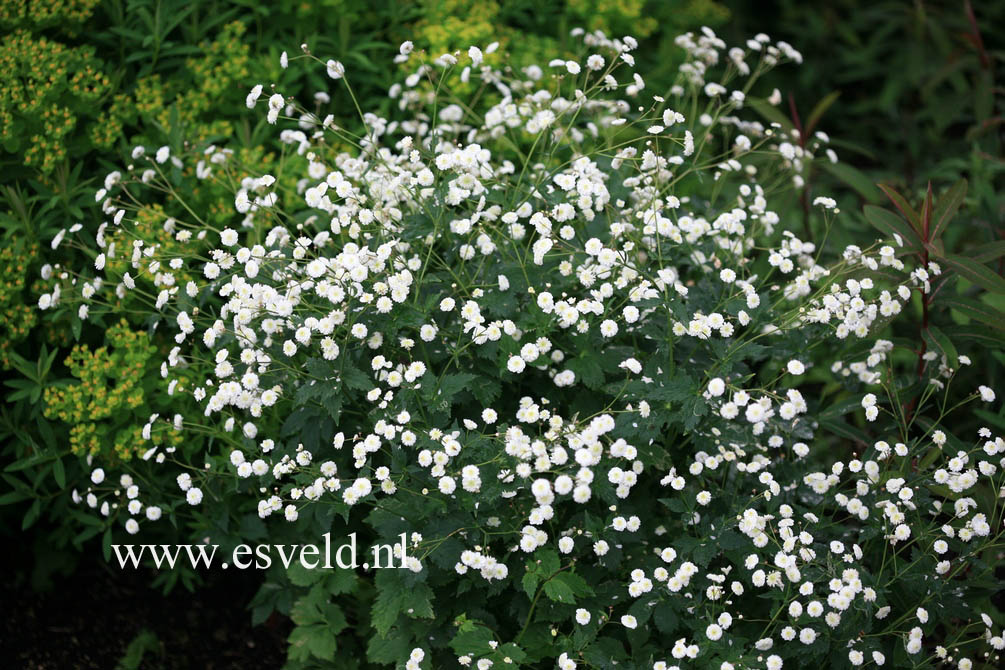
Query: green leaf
394	598
575	582
903	206
354	378
549	561
986	253
892	225
473	641
976	273
145	641
301	576
976	310
452	384
529	582
12	497
665	618
948	205
855	178
938	341
819	110
31	516
314	640
843	429
588	370
981	335
770	113
59	473
926	215
731	540
392	650
558	590
106	543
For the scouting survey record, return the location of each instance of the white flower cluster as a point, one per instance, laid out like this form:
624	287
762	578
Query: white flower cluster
519	240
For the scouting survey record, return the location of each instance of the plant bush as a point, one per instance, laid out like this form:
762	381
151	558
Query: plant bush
559	330
166	72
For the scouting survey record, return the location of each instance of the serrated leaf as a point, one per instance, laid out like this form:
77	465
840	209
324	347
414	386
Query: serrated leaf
301	576
385	611
474	642
550	562
559	591
529	583
387	651
486	391
731	540
665	618
452	384
588	370
313	640
354	378
579	587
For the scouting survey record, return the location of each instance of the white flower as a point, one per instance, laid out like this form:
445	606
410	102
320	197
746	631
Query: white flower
987	394
515	364
254	94
795	367
629	621
335	69
193	496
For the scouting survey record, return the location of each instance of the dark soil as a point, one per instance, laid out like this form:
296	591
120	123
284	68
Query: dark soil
88	619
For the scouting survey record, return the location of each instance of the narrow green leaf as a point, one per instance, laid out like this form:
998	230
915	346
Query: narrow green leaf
986	253
938	341
980	335
892	225
974	309
926	215
31	516
948	205
59	473
820	109
901	204
844	429
770	113
12	497
976	273
855	178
